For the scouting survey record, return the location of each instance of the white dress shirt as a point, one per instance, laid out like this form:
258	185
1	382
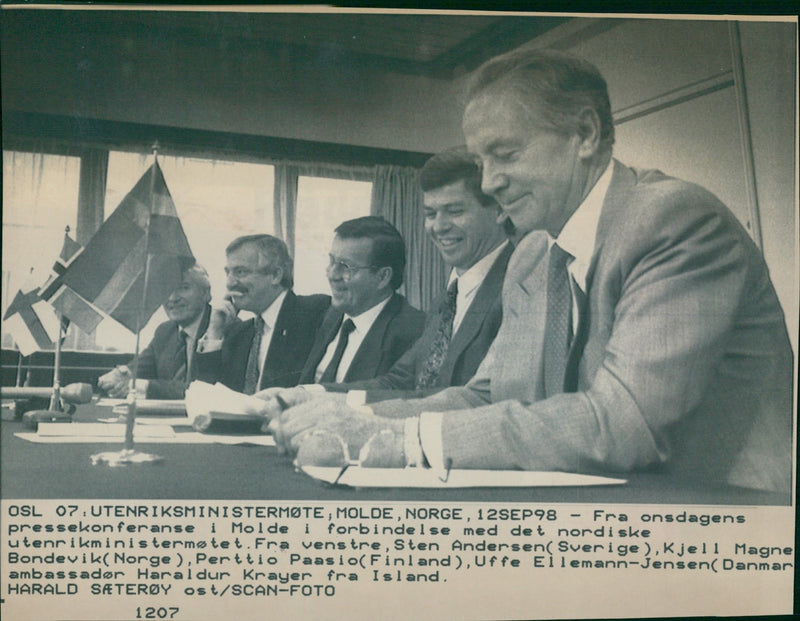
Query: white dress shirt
362	323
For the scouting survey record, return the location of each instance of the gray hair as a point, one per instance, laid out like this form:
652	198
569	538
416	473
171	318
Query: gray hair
554	86
273	250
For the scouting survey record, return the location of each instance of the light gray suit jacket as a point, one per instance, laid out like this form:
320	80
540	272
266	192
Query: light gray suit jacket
682	356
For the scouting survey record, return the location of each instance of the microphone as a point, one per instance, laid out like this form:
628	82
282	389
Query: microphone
71	393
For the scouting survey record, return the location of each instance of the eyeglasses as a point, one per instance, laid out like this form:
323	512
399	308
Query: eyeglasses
240	273
347	271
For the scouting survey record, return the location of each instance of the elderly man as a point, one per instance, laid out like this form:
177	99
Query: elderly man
640	327
166	364
369	325
271	348
463	224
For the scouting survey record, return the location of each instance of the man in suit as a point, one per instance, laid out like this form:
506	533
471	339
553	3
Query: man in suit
463	224
369	325
271	348
640	327
166	364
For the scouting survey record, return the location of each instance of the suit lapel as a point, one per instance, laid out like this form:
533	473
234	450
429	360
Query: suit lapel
519	343
476	314
370	352
622	181
279	343
327	332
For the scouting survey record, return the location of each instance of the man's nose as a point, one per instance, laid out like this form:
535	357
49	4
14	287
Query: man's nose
492	179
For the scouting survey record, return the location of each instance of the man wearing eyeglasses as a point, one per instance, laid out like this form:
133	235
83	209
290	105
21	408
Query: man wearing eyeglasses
369	326
270	349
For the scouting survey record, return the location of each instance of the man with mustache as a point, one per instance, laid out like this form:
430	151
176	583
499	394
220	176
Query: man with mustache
270	349
640	330
166	365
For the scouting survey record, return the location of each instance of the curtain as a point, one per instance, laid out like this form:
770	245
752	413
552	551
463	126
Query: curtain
285	203
396	197
91	193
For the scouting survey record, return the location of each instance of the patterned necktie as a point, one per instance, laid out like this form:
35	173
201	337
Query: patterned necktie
558	321
329	375
441	340
180	358
251	372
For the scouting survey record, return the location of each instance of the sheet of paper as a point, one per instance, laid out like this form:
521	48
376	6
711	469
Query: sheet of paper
424	477
178	438
102	430
108	402
176	421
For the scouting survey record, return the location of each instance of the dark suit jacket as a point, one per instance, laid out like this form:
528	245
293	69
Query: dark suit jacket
682	357
163	357
466	350
292	337
395	329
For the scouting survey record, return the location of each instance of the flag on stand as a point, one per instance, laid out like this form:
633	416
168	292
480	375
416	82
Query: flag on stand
107	277
31	322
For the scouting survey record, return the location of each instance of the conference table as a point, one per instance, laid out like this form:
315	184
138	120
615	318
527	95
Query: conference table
250	472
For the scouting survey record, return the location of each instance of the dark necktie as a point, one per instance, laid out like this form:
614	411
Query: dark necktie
329	375
429	373
251	372
558	321
180	358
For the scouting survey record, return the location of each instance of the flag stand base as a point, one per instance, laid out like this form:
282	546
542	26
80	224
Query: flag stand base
125	457
32	418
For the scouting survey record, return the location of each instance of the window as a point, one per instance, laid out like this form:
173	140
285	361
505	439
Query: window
322	205
216	200
40	198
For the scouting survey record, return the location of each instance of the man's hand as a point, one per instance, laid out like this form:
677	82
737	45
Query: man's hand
324	432
223	314
115	383
278	399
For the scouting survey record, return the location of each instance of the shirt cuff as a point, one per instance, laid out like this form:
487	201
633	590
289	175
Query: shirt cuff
141	388
206	346
430	439
356	398
411	444
313	389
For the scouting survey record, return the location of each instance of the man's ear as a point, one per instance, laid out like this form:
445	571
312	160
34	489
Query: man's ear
588	133
277	275
385	274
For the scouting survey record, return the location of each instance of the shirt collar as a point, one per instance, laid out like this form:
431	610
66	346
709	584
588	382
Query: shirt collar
475	275
364	321
270	316
192	328
579	233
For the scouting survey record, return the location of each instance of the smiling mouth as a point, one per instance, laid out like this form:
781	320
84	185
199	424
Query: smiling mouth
448	243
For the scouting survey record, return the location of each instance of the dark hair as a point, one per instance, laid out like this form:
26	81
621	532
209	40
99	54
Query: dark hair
272	249
454	164
388	249
555	86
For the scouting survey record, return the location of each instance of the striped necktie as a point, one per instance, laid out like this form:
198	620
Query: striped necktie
251	373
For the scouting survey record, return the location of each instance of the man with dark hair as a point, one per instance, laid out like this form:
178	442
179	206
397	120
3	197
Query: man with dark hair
270	349
369	326
463	224
166	364
640	327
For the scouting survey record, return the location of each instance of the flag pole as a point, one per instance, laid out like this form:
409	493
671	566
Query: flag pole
128	455
55	399
131	419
